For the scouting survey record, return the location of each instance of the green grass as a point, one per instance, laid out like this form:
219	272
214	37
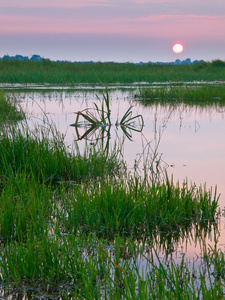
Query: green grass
204	94
70	73
87	269
9	110
47	158
136	209
75	225
56	238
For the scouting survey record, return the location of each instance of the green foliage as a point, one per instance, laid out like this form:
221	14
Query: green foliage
75	73
25	207
72	227
48	160
123	209
9	111
89	270
190	94
101	118
218	63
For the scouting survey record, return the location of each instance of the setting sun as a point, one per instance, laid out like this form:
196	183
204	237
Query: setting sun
178	48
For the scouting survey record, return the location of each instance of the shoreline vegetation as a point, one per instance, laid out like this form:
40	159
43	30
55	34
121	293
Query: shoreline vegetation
77	226
51	72
10	112
208	94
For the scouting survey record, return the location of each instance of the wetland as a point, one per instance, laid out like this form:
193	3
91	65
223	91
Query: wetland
112	208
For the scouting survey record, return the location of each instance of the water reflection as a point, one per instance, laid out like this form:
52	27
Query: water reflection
147	254
186	140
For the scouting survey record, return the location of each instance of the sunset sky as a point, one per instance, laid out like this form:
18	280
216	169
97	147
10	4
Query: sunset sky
113	30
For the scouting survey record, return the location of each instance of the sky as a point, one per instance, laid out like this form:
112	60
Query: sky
113	30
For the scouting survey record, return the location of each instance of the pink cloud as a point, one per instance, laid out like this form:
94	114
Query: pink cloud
54	4
151	26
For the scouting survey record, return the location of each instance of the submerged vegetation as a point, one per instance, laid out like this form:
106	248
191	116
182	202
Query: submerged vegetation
109	72
77	226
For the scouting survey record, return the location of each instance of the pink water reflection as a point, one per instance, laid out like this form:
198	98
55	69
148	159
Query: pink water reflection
192	140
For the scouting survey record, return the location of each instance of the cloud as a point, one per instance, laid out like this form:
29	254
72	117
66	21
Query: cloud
53	4
145	18
161	26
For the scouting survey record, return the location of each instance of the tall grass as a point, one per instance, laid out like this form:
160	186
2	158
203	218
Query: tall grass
89	270
48	159
74	73
191	94
25	208
72	226
9	110
136	209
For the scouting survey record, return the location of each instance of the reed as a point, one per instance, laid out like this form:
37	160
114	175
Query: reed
202	94
75	73
133	208
48	159
10	110
75	226
100	117
88	269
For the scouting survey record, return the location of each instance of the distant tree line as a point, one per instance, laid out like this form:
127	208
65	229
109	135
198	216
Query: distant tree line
34	57
38	58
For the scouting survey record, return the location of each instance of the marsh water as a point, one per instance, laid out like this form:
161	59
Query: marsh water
189	140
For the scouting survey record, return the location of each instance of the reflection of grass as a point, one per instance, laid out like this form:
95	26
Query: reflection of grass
206	93
97	117
59	236
70	73
135	207
79	235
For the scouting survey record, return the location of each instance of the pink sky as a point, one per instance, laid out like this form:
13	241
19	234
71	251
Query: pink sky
116	30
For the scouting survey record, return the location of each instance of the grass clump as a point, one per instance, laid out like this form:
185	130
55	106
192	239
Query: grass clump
136	208
48	159
197	94
80	241
72	226
25	208
89	270
9	111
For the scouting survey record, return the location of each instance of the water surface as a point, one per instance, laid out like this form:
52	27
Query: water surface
189	140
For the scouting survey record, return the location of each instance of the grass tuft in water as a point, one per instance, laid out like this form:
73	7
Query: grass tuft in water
48	159
189	94
83	236
135	207
9	110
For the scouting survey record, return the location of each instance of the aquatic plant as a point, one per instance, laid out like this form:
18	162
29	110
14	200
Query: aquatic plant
46	158
79	238
9	109
100	118
72	226
90	268
213	93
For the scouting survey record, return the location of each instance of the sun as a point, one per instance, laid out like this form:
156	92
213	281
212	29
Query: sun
178	48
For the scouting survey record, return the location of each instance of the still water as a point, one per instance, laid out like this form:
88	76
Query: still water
189	140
